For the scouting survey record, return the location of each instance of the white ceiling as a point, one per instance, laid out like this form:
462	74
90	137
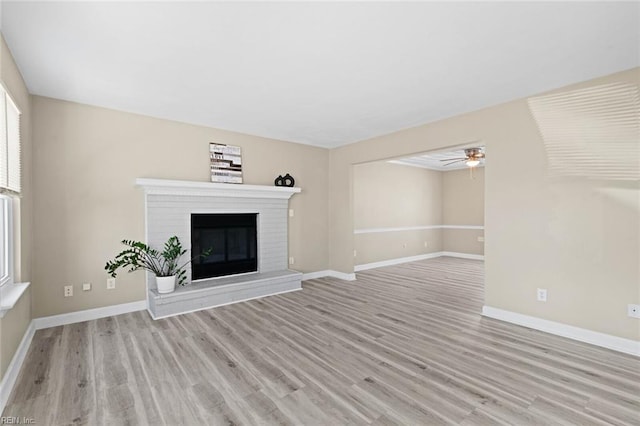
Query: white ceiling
437	160
323	73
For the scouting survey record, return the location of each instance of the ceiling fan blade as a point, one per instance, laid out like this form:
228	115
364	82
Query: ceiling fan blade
456	161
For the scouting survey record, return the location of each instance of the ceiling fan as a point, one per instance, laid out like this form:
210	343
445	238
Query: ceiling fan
472	157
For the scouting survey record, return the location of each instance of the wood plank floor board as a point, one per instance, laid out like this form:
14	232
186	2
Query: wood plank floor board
76	395
615	411
583	353
563	414
271	379
630	381
301	409
318	377
403	409
479	417
510	379
423	393
545	375
148	406
328	404
535	383
41	362
191	370
572	377
264	409
402	345
235	378
174	408
573	372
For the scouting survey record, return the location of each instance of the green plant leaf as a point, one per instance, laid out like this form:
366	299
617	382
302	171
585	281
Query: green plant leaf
138	255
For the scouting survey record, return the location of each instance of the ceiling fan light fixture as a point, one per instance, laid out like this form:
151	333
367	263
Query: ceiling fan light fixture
472	162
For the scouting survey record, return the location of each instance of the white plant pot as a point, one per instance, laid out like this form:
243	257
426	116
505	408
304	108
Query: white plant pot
166	284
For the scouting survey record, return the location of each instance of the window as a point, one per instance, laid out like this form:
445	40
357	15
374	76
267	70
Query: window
6	229
9	144
9	181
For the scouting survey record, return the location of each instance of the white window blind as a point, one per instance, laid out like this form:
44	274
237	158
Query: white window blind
4	143
5	240
10	169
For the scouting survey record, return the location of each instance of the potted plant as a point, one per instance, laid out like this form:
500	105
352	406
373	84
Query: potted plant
164	264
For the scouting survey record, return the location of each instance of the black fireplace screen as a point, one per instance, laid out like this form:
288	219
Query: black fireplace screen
232	239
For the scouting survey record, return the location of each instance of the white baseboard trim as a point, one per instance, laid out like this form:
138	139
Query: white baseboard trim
397	261
462	255
314	275
11	375
89	314
341	275
328	273
631	347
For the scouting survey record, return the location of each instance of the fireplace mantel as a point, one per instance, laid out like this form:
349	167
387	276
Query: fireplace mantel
231	190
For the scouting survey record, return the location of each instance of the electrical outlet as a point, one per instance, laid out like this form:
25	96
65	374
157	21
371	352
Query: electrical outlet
542	295
86	286
481	239
426	244
111	283
68	290
633	311
291	260
355	253
290	212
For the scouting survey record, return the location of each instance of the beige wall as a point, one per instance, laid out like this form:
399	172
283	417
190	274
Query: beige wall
16	321
463	241
387	195
85	165
463	204
574	238
391	195
376	247
463	197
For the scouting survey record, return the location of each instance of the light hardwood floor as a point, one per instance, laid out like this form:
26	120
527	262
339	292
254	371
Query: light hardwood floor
401	345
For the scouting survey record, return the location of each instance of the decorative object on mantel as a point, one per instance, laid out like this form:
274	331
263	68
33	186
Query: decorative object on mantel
287	180
164	264
226	163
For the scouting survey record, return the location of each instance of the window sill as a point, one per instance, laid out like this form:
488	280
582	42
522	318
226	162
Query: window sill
9	296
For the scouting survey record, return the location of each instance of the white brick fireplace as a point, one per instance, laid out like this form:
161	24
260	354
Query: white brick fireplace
169	205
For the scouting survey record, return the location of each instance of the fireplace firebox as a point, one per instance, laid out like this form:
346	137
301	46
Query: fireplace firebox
232	239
